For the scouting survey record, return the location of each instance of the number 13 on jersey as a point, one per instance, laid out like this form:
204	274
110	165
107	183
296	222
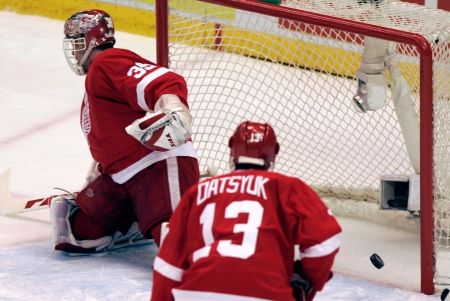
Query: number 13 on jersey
249	230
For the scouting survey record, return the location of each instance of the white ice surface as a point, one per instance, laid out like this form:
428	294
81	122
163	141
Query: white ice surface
41	141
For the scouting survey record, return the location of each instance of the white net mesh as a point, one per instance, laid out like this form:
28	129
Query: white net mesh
300	78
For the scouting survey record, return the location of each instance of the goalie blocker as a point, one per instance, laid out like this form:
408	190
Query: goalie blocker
166	128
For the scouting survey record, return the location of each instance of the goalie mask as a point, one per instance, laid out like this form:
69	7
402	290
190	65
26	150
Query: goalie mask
83	32
254	144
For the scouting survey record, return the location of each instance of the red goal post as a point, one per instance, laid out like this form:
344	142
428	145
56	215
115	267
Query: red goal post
212	125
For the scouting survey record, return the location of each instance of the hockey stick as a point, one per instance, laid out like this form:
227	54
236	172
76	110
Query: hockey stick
8	206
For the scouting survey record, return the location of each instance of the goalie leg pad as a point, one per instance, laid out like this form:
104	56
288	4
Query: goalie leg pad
61	209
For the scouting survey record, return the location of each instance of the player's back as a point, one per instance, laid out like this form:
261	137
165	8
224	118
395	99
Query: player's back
241	231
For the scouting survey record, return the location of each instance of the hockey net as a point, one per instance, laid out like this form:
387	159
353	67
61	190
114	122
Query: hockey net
285	65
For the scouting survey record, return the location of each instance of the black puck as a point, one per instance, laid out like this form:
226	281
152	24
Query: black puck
377	261
444	294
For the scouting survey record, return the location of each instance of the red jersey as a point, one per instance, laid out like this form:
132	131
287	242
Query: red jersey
232	237
121	87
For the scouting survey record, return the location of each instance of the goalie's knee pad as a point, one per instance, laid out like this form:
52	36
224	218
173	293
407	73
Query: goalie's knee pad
61	209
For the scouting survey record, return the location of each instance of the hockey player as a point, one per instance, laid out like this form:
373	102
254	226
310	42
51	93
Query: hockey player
136	120
232	237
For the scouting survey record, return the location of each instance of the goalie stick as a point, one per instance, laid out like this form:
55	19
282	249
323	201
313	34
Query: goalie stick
8	206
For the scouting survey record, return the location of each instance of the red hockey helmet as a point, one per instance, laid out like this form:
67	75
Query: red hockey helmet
83	32
254	144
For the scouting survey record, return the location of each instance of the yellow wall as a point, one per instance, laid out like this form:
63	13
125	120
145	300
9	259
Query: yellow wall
127	19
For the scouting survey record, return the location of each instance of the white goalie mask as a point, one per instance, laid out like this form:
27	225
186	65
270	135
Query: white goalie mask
83	32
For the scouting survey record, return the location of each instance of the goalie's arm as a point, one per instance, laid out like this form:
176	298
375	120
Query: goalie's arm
166	128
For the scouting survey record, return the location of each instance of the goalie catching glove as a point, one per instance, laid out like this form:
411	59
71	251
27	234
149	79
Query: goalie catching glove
164	129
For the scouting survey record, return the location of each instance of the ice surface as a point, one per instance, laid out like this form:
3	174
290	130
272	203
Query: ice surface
41	141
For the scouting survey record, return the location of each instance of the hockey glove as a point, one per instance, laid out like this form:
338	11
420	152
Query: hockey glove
301	288
161	131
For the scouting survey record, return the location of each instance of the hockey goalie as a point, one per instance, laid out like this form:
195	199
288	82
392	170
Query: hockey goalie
136	120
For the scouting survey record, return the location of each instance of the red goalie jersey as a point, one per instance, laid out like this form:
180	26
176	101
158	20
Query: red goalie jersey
121	87
232	237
